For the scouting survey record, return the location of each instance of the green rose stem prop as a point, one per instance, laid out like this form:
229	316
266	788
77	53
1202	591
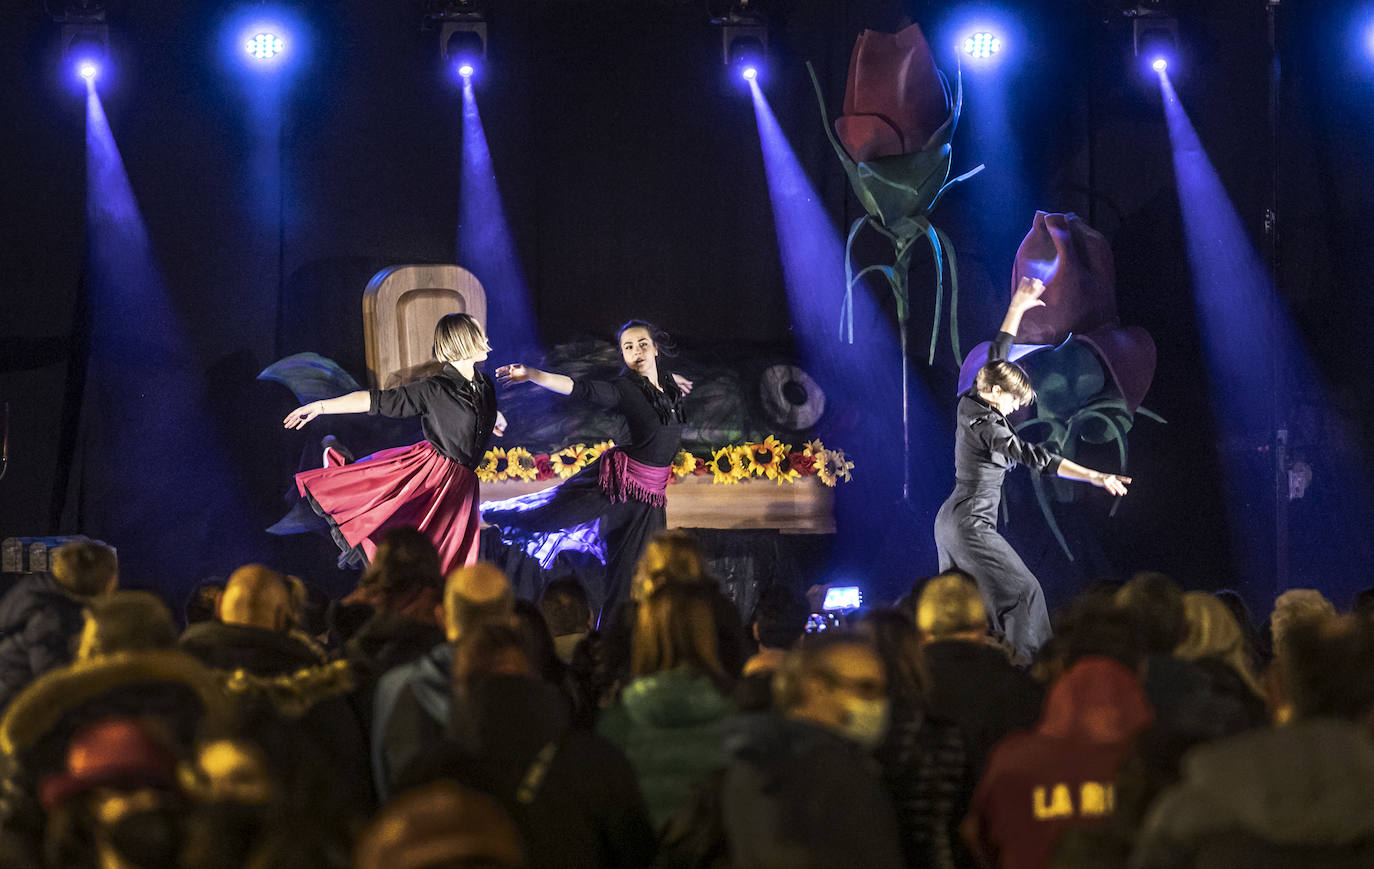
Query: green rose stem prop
899	192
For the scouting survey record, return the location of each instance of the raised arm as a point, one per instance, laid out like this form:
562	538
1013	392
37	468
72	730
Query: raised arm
517	373
1027	296
1114	483
353	402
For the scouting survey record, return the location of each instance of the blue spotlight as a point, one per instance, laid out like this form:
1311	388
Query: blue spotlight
746	55
1159	64
982	45
750	73
87	52
264	46
465	70
88	69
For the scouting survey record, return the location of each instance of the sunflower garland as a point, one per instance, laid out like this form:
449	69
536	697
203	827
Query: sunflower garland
727	465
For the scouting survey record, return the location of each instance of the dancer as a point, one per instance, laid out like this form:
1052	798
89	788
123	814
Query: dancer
985	448
614	505
429	486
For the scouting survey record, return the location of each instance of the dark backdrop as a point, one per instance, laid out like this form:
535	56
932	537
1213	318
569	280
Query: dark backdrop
632	180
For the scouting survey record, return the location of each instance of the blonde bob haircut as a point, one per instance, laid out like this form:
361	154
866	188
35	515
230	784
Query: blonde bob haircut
458	336
950	604
1011	378
1213	632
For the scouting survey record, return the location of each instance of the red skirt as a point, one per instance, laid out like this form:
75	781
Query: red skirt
415	486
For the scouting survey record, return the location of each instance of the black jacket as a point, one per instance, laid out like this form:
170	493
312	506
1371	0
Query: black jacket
985	445
572	794
974	685
457	413
39	624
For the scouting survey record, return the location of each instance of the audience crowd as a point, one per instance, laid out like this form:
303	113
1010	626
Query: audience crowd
432	721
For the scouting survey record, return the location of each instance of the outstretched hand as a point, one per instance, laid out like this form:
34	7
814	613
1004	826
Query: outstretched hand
1028	293
513	373
682	383
302	415
1114	483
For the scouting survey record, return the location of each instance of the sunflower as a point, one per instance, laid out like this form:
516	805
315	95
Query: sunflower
767	457
832	466
684	463
726	466
520	464
597	449
813	448
569	460
493	466
784	471
744	454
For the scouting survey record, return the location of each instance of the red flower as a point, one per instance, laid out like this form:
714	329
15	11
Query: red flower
894	99
802	463
543	468
701	469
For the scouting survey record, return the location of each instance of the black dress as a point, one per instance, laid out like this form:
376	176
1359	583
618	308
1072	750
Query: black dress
577	514
985	448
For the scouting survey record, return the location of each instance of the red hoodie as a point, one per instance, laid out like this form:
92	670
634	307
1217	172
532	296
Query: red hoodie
1060	775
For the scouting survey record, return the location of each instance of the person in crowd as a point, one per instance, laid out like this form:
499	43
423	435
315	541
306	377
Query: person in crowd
1241	612
1290	795
1173	684
293	705
1292	608
400	591
832	710
42	613
530	622
568	614
125	621
440	824
671	716
924	764
203	602
413	701
252	628
572	794
1039	783
972	682
986	446
429	486
117	802
778	627
1218	645
622	493
1362	604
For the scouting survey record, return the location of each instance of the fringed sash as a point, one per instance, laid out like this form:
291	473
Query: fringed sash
623	478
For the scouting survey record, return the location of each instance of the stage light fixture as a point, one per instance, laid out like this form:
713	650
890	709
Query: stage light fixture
264	46
462	26
1155	36
743	38
85	38
982	45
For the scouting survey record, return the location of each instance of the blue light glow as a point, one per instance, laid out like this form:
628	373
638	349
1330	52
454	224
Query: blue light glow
750	73
88	69
264	46
982	45
1159	64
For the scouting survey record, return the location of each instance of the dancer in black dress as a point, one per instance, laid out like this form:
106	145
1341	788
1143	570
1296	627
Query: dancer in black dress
614	505
985	448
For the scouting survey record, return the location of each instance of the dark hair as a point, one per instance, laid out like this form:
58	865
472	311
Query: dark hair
662	340
565	607
1363	604
1330	664
406	563
1156	603
898	644
1007	376
781	615
1093	626
479	651
200	604
529	621
84	567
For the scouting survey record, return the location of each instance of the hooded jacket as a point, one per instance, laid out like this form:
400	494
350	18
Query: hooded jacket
1060	775
1297	795
670	725
38	623
411	710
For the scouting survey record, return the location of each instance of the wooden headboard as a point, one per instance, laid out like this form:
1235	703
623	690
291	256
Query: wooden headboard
400	307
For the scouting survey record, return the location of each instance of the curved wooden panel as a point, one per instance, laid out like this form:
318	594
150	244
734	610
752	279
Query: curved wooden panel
400	307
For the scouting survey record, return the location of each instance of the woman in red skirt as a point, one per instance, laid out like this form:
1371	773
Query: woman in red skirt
429	486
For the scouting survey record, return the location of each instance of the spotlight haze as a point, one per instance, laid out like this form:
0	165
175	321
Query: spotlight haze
465	70
264	46
750	73
88	69
982	45
1159	64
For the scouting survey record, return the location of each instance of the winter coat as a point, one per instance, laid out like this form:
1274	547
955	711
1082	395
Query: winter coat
39	624
1297	795
975	685
1061	775
572	794
797	796
925	771
411	709
670	725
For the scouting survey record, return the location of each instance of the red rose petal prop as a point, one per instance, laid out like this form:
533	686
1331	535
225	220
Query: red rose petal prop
894	100
1075	262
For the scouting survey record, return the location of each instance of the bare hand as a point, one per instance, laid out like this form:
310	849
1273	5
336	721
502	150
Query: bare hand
682	383
514	373
499	429
1028	293
1114	483
302	415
